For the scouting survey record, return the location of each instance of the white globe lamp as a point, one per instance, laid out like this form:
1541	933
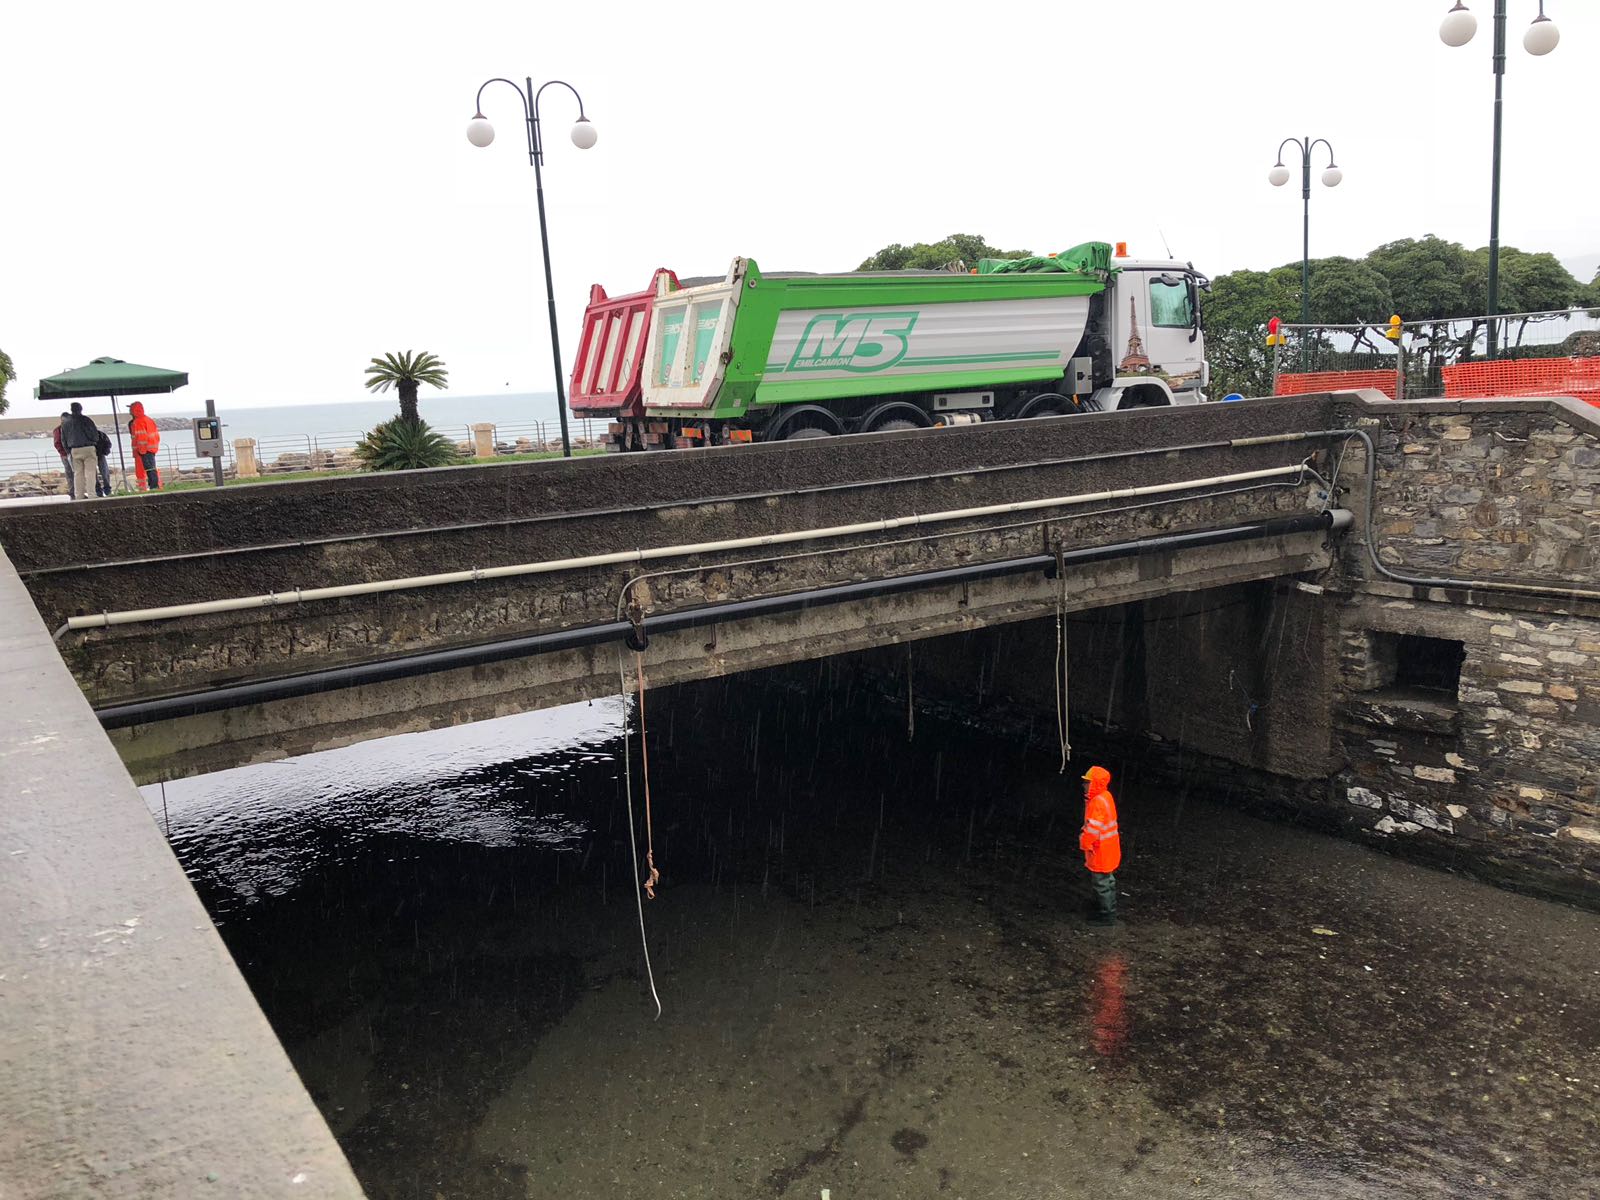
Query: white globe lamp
1332	176
583	134
1542	36
479	132
1458	26
1278	176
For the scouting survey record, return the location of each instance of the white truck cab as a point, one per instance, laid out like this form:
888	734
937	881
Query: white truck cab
1157	349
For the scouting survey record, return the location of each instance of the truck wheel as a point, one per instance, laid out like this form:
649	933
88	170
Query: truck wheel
1049	404
804	432
896	423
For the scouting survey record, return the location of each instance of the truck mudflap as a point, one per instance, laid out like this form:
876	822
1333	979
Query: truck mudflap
607	371
686	354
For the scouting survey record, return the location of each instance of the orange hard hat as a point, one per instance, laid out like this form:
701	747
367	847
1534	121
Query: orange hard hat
1097	775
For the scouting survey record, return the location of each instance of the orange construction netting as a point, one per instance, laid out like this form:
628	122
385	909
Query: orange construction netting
1577	377
1335	381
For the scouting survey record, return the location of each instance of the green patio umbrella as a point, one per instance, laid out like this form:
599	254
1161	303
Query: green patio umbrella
110	377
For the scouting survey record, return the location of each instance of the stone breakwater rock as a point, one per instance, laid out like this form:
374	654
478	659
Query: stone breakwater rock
28	484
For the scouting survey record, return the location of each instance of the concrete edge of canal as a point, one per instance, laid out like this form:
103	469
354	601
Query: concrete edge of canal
134	1060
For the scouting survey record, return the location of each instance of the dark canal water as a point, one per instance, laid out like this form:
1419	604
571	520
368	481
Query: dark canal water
875	975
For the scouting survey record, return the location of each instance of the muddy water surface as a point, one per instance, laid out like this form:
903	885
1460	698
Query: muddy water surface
874	974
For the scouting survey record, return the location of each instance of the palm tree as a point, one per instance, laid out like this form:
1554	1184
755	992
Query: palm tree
8	374
406	372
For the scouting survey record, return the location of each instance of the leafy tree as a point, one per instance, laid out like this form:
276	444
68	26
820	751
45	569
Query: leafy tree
1528	283
405	445
8	374
1428	278
1234	317
405	372
1347	292
1425	279
966	248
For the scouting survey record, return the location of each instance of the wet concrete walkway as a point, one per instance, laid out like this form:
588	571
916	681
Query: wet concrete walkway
875	975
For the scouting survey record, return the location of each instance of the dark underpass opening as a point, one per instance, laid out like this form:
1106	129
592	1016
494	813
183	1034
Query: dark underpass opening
869	944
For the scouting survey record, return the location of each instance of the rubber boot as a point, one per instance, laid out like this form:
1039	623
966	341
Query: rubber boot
1105	909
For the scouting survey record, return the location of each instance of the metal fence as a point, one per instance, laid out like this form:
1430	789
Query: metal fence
1536	354
289	452
37	456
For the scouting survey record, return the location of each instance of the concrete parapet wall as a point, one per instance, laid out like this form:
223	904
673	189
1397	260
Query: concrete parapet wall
133	1059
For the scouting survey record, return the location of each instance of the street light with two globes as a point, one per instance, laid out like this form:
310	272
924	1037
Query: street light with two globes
480	133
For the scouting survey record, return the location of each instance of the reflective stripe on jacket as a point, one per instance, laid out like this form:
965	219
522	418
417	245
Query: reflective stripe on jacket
146	438
1099	841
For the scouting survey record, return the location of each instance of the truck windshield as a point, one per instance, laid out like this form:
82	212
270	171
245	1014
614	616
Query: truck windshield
1169	305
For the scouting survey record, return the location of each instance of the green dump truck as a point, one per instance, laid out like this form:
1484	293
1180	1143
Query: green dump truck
758	357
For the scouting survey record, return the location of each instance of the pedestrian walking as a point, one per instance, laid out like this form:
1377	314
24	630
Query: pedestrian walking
79	434
146	442
66	458
102	447
1100	843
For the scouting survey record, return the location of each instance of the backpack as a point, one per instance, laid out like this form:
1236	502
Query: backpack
102	443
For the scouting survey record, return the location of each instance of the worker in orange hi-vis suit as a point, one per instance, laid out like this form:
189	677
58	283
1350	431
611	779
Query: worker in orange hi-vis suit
146	441
1100	842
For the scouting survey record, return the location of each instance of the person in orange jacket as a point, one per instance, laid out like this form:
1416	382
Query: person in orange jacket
1100	842
146	441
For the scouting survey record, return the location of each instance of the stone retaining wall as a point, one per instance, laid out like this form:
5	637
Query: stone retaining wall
1510	495
1502	770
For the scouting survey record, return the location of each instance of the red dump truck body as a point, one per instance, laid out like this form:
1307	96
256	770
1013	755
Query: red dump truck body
606	372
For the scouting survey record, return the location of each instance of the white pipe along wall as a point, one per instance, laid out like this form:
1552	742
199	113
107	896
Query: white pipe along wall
299	595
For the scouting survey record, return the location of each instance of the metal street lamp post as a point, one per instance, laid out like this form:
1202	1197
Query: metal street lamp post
1541	37
1278	176
481	133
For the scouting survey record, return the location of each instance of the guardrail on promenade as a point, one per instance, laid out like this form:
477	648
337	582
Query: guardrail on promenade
281	453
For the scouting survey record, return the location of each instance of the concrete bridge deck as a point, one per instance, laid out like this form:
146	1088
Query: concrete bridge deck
969	500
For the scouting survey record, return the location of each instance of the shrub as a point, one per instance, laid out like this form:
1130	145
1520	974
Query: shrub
402	445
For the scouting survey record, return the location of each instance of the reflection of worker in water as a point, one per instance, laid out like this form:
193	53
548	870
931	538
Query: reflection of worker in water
1108	1012
1101	846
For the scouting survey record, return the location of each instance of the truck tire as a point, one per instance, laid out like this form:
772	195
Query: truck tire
1144	397
895	414
1048	404
801	421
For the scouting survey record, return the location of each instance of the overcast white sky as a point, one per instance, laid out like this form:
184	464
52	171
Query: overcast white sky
267	196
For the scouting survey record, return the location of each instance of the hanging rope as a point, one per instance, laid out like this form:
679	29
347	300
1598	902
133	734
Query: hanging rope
644	756
911	711
1063	698
633	843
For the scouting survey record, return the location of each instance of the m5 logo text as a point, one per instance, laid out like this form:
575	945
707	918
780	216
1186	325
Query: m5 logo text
860	342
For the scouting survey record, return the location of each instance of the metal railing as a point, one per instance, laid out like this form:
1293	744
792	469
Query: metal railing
290	452
525	437
1538	353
